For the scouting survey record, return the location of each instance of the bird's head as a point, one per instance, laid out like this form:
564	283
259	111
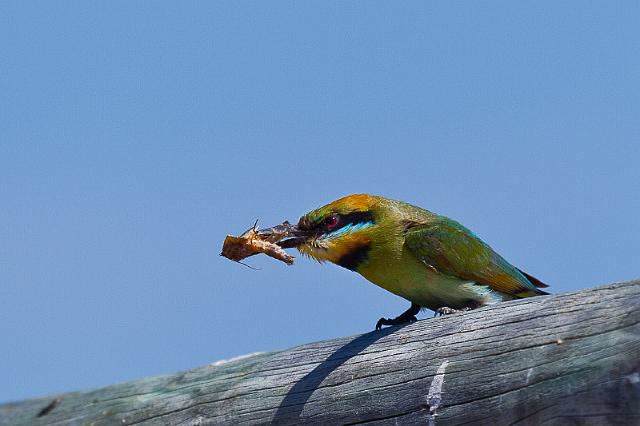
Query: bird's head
341	232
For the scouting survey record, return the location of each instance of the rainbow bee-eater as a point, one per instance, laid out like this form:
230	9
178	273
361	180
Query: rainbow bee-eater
432	261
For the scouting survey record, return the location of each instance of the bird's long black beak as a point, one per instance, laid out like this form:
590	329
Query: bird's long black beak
298	237
292	242
285	235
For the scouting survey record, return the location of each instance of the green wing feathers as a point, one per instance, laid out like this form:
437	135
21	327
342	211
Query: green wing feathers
451	249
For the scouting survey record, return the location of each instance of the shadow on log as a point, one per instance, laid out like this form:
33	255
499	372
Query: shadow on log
561	359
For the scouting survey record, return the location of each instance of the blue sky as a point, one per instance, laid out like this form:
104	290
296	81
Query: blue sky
135	136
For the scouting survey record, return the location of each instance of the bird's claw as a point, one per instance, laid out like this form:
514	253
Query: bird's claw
395	321
444	311
381	322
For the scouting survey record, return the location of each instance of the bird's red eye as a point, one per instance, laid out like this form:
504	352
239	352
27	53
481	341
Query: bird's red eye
331	222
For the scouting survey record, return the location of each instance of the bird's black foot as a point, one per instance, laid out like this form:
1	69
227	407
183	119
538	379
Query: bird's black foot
445	310
406	317
395	321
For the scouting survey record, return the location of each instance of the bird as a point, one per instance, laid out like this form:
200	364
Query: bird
428	259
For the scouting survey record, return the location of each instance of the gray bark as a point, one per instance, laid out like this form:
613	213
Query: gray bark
561	359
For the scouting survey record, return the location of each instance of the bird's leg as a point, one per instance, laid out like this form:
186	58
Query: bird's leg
406	317
445	310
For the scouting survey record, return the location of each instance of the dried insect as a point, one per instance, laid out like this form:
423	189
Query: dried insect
254	241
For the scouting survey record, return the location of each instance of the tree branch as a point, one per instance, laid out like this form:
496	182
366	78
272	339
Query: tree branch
568	358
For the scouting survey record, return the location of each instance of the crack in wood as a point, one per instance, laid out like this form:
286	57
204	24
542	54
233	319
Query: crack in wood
434	397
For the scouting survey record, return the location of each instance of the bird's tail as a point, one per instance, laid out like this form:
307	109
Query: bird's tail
536	282
530	293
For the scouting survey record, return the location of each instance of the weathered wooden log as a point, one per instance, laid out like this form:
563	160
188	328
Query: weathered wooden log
561	359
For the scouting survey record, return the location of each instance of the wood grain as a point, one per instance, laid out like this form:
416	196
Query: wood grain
557	360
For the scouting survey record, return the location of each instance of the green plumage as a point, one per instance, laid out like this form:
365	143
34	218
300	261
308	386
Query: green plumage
453	250
426	258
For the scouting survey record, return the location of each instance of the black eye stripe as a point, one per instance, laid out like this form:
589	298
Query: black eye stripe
352	218
355	217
